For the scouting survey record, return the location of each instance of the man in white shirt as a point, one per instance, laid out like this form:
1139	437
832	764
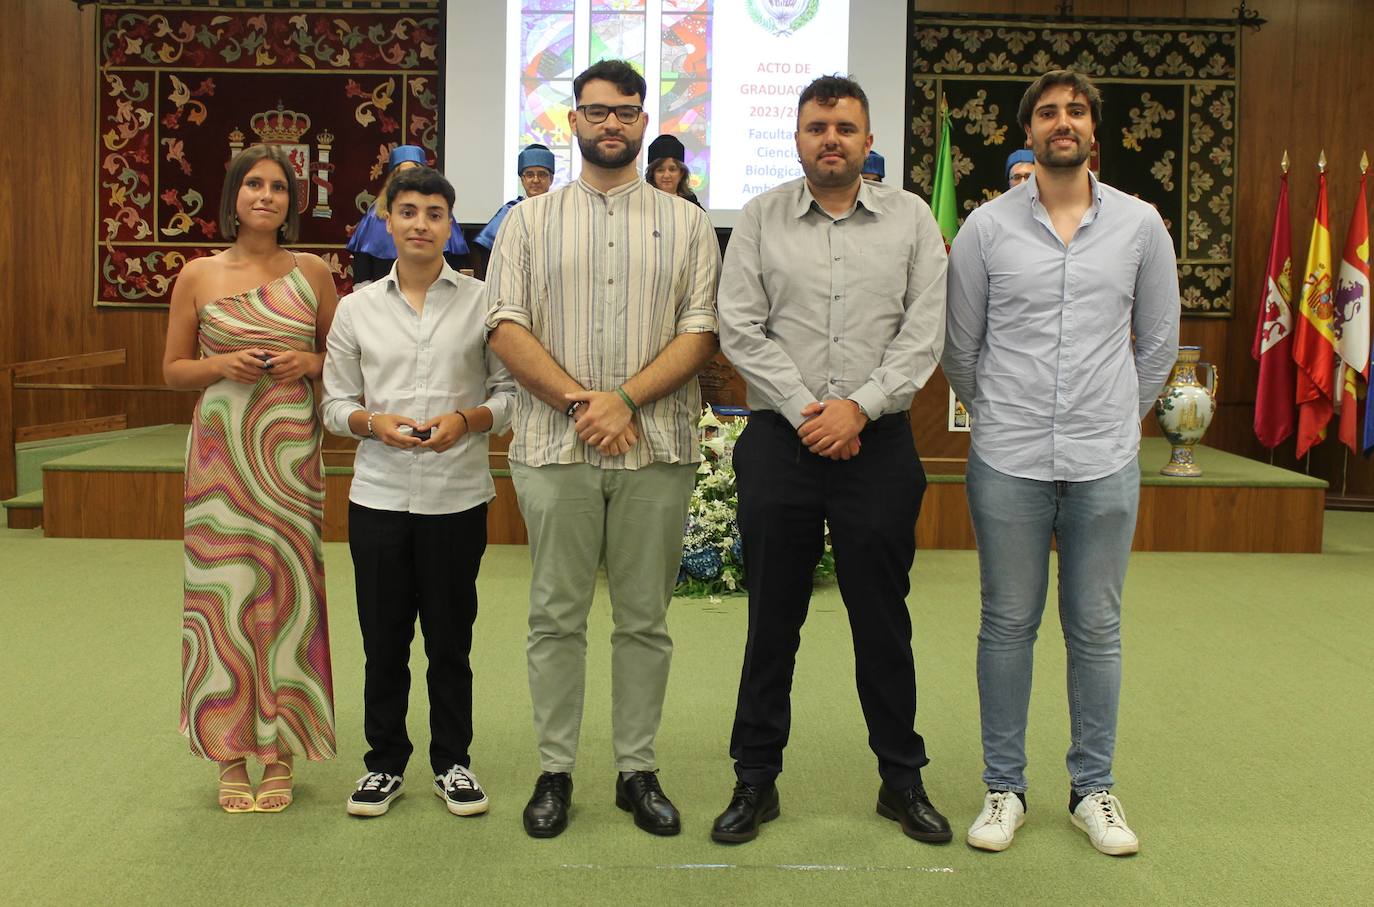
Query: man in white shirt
408	372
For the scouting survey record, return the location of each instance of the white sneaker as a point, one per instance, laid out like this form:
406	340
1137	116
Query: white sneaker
458	788
996	825
1099	814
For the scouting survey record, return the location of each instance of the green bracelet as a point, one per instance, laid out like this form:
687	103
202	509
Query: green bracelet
626	397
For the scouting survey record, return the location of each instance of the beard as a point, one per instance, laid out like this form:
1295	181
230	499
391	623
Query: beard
829	178
591	152
1047	155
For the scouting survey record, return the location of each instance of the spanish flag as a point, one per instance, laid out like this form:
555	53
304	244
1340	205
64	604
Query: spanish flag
1314	341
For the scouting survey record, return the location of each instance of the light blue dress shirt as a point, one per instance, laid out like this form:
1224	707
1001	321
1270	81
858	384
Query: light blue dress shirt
1039	335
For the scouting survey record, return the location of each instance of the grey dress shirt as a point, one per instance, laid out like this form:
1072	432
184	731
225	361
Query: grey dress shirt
1038	340
382	353
814	307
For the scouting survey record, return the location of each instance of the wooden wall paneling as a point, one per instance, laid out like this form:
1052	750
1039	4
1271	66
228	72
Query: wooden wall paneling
113	505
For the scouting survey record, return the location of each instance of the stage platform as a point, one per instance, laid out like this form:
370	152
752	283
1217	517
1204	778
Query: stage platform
131	487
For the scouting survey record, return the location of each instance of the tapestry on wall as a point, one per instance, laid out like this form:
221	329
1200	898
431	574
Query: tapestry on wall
1168	130
182	89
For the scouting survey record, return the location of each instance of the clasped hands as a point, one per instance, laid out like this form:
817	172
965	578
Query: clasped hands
445	431
603	421
247	366
832	428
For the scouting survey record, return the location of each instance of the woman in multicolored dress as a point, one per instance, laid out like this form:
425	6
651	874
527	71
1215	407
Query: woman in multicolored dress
249	326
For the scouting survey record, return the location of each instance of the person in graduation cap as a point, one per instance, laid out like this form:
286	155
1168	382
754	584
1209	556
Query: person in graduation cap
875	168
667	169
371	246
535	167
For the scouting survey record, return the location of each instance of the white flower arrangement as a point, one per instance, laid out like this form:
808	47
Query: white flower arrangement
712	554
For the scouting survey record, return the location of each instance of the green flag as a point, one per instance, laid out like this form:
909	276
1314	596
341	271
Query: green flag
942	195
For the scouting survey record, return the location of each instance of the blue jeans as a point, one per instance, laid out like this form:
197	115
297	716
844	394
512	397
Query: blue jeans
1093	524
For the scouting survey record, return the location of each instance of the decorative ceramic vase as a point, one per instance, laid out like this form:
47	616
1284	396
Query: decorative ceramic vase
1185	409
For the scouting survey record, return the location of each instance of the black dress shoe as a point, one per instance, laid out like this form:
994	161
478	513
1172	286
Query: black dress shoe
750	806
641	795
546	815
912	808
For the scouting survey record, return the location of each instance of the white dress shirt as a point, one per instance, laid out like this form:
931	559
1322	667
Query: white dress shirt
385	357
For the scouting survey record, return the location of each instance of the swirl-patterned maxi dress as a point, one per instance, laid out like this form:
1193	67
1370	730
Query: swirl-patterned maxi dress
256	677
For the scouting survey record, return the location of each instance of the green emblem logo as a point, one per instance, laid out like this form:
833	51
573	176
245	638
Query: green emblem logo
782	17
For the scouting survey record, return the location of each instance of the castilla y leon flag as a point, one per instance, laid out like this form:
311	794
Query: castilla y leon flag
1314	341
942	202
1350	321
1273	345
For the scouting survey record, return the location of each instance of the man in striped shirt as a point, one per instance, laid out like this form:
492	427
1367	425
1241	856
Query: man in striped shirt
601	302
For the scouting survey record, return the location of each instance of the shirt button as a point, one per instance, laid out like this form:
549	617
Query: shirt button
611	280
610	243
836	339
837	258
610	214
837	297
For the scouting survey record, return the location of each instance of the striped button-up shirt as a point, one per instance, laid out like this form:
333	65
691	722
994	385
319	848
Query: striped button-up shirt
1039	336
604	281
815	307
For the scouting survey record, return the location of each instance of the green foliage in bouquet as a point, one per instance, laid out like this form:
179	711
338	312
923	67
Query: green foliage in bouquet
712	555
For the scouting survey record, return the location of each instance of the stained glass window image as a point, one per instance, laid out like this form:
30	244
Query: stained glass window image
669	41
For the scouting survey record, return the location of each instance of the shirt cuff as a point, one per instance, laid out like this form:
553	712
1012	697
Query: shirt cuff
698	323
792	407
872	399
347	429
519	316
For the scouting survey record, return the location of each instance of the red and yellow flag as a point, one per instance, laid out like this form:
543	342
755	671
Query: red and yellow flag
1314	341
1350	321
1273	345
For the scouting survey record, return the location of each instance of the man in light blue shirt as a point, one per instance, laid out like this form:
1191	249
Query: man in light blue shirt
1061	329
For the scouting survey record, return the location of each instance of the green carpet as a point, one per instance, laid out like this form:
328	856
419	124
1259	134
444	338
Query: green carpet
1246	726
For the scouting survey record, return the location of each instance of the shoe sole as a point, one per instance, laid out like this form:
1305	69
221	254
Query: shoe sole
926	837
651	829
371	810
993	846
1121	850
741	837
459	808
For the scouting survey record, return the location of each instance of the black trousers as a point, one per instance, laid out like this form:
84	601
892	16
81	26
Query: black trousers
786	496
404	565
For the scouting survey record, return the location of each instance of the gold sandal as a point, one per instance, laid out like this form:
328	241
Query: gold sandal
235	790
283	793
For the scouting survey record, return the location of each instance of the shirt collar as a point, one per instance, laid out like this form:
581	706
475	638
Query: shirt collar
446	274
1033	190
867	198
623	189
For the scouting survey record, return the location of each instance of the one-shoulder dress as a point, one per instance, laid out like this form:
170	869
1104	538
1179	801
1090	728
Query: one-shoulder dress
256	678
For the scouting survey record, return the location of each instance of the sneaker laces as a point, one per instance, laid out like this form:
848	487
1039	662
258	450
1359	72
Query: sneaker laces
1106	808
460	778
374	781
997	802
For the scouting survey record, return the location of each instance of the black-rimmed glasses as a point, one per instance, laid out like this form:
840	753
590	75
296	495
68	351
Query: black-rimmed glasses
597	113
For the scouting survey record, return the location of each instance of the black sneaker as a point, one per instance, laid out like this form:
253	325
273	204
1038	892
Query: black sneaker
458	788
375	792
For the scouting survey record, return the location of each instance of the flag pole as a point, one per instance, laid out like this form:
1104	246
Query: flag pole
1283	167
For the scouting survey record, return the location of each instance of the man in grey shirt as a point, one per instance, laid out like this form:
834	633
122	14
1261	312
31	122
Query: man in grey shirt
832	309
1048	285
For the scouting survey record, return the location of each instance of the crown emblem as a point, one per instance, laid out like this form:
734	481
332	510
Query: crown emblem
280	126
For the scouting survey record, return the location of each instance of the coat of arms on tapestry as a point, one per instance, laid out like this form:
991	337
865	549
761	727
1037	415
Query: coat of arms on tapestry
182	87
1168	130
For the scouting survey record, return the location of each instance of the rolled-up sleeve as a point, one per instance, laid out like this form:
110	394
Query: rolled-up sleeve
744	310
911	357
1154	318
966	312
508	297
696	310
343	373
